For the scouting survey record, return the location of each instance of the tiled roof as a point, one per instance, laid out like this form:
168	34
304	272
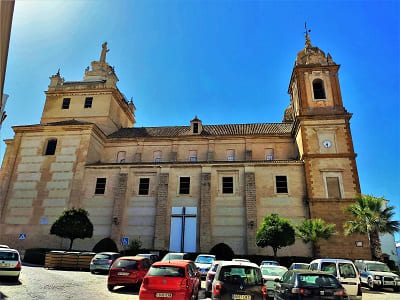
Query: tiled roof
208	130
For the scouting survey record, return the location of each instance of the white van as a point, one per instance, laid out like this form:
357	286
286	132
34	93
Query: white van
344	270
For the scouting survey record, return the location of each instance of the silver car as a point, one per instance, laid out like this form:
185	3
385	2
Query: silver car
10	263
102	262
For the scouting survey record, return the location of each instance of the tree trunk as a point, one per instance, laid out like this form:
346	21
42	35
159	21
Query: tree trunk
375	245
275	250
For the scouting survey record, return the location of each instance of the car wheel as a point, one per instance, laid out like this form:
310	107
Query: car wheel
396	289
110	287
207	294
371	284
92	271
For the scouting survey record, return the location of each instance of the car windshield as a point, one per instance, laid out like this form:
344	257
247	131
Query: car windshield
167	271
346	270
272	271
204	259
378	267
8	256
318	280
301	266
126	264
240	275
268	262
329	267
172	256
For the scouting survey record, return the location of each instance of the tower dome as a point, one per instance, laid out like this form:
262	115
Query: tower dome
312	55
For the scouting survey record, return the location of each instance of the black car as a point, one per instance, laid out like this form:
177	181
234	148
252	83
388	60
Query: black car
307	284
238	280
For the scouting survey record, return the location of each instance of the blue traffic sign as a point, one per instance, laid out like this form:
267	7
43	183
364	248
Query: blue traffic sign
125	241
22	236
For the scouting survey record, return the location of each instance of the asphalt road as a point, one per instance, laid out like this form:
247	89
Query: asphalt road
40	283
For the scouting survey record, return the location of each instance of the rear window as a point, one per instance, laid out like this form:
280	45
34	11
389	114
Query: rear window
272	271
318	280
204	259
8	256
103	256
126	264
377	267
167	271
240	275
346	270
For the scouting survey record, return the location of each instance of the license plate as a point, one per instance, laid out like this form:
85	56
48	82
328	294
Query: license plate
122	273
163	295
5	265
241	297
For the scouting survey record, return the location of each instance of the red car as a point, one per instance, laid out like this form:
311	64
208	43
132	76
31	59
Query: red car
174	279
128	270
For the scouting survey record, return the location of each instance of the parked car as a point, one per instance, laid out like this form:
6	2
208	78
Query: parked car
269	262
171	279
128	271
344	270
10	263
238	280
307	284
175	255
270	273
210	277
203	263
301	266
377	275
4	246
152	257
102	262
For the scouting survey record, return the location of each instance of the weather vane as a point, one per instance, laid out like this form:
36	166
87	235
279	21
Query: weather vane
308	42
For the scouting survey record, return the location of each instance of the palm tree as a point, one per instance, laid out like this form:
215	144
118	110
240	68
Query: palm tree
312	230
371	216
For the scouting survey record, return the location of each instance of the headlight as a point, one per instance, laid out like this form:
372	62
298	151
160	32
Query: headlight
377	277
397	278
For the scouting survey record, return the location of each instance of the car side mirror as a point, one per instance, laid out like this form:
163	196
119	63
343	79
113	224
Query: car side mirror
278	280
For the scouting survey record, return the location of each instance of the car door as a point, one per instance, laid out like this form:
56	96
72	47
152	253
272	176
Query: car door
193	279
283	289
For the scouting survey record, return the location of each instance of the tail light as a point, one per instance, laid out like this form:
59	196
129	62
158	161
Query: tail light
145	282
18	266
184	284
339	293
92	261
264	292
301	291
217	289
109	262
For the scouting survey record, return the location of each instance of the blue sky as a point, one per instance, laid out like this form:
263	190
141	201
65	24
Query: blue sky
224	61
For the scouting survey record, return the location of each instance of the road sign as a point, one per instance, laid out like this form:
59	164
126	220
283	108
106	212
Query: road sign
125	241
22	236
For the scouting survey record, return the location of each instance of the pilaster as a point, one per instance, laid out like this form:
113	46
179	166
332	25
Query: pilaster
119	204
205	212
161	230
251	210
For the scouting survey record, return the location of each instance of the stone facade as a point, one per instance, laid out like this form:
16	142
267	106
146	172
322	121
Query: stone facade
189	186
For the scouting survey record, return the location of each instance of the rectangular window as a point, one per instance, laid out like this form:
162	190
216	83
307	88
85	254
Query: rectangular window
65	103
192	155
230	155
157	156
88	102
227	185
100	186
195	127
269	154
281	184
184	185
51	147
144	184
332	184
121	157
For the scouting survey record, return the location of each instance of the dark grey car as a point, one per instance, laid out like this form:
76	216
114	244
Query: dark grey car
102	262
238	280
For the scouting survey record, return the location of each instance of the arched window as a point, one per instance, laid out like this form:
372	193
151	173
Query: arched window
318	88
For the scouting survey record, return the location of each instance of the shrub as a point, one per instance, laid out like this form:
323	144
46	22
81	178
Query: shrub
36	256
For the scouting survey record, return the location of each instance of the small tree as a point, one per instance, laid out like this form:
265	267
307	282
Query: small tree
275	232
73	224
312	230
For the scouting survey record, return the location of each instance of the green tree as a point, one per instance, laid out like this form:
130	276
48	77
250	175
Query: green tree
73	224
371	216
312	230
276	232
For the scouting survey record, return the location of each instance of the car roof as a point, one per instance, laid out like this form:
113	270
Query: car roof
132	258
173	263
339	260
370	261
110	253
8	250
238	263
207	255
272	266
303	271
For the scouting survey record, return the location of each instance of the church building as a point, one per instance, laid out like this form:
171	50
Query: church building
182	188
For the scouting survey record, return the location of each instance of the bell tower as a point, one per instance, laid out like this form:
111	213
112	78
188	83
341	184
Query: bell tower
323	136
